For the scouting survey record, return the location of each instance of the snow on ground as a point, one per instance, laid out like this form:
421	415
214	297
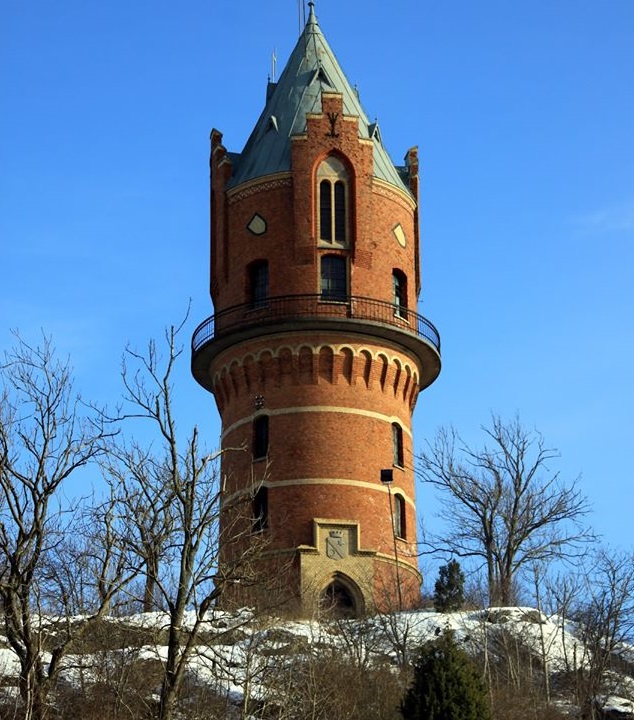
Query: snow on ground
9	665
612	703
239	650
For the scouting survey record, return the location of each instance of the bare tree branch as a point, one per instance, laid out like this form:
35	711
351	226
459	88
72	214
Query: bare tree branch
502	504
45	438
171	496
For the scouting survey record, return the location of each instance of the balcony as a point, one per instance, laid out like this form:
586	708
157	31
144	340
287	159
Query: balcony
290	313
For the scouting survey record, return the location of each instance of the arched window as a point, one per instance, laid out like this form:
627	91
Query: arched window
261	509
399	293
399	515
258	283
397	445
260	437
332	181
334	277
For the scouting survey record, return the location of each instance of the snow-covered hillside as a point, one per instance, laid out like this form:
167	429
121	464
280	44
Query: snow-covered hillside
240	653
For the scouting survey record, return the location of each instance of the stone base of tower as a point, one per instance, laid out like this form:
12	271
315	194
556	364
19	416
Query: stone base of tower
340	577
334	577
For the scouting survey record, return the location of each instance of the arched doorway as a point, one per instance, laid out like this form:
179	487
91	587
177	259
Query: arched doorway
341	598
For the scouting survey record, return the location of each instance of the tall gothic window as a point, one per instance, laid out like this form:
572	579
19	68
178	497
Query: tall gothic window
399	515
399	293
260	437
332	181
261	509
258	283
334	277
397	445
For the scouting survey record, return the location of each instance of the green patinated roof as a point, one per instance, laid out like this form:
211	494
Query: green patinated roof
311	69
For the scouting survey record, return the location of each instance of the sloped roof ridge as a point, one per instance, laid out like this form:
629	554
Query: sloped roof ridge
298	92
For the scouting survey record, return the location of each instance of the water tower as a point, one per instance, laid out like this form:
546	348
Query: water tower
315	354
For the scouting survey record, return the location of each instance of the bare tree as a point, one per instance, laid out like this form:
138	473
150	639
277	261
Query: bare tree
142	490
46	436
502	503
604	612
176	487
316	681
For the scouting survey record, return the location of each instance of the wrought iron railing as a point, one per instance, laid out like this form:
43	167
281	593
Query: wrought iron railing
285	308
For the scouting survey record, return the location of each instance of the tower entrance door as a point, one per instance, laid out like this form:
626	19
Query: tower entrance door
338	600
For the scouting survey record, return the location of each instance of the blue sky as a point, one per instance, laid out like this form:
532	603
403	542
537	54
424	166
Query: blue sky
524	116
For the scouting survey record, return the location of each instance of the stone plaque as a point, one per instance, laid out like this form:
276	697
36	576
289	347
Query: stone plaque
257	225
336	545
399	234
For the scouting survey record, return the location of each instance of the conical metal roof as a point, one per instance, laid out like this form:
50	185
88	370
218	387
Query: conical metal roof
311	69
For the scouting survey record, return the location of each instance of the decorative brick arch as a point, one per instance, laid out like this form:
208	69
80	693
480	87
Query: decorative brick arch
341	597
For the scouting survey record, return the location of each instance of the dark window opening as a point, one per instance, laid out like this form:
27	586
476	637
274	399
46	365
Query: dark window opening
259	283
399	516
334	278
399	288
340	212
333	197
260	437
325	211
261	509
397	445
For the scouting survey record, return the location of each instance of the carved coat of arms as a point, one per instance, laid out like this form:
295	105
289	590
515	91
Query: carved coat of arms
336	546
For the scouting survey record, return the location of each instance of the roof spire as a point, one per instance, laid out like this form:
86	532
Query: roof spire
311	70
312	19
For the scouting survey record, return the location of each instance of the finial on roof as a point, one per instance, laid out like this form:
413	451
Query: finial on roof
311	13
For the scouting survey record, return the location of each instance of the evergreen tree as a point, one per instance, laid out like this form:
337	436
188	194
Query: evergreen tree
446	686
449	588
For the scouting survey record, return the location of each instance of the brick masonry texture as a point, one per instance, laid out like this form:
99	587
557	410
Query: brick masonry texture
331	397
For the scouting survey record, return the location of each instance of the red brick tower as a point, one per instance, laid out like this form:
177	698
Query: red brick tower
315	354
